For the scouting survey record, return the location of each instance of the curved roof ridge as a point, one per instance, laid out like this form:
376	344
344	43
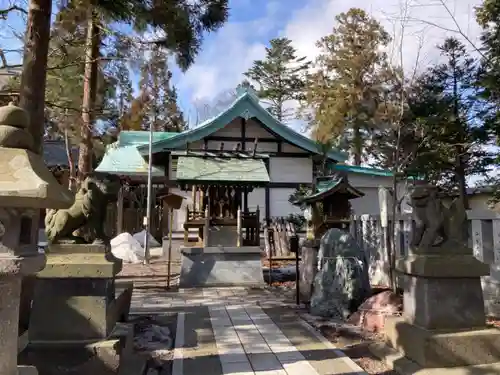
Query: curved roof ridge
245	104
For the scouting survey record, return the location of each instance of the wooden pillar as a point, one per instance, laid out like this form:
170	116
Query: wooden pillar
186	232
193	196
267	193
206	227
245	199
202	198
238	228
119	212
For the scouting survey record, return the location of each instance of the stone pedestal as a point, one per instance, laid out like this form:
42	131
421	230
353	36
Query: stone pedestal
308	268
73	325
221	266
443	324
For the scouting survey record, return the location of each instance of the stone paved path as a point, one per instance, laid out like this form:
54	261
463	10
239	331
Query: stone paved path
241	331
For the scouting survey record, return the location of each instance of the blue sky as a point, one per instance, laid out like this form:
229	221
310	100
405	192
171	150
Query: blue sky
230	51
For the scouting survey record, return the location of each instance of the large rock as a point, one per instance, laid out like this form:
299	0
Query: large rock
372	313
342	282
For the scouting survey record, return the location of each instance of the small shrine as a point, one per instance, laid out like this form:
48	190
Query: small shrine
220	183
227	251
329	205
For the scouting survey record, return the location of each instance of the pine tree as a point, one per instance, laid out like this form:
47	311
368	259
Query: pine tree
442	133
352	79
160	109
280	76
183	24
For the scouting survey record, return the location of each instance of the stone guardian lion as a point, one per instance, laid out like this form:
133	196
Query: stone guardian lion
436	224
87	214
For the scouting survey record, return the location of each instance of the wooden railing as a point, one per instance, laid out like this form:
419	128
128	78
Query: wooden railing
192	215
250	222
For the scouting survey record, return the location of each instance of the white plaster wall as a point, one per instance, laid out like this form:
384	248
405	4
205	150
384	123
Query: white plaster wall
280	206
369	185
291	170
479	202
367	204
257	197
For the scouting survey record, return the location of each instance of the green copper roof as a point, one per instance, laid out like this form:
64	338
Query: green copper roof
327	187
204	169
126	161
134	137
247	106
362	170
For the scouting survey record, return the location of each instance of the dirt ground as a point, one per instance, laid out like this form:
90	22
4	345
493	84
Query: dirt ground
152	275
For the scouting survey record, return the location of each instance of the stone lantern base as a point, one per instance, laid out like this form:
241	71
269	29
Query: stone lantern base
443	323
75	319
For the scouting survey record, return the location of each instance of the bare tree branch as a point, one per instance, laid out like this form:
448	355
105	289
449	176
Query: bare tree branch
14	8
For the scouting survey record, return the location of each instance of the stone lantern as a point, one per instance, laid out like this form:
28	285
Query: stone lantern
26	186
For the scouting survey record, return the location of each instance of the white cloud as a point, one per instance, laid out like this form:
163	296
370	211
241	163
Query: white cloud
233	49
428	23
229	54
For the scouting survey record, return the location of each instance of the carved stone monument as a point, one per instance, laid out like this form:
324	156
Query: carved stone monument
444	323
26	185
74	299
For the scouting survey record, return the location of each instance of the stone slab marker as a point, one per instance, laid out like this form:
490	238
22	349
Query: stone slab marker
444	323
308	269
26	185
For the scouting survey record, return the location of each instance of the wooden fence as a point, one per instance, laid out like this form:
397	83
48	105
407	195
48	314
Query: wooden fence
484	238
134	212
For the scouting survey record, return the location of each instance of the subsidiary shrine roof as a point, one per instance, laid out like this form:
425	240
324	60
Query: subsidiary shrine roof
328	186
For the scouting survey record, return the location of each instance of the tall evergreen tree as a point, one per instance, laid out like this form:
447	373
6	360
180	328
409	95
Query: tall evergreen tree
160	109
443	137
352	79
280	76
488	17
182	23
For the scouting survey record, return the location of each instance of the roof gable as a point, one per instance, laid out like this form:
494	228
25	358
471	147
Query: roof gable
247	106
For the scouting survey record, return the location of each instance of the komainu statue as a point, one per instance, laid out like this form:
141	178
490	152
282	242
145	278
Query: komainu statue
87	214
436	224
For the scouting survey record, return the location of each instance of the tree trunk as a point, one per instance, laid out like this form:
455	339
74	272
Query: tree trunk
33	78
357	145
460	176
89	94
72	182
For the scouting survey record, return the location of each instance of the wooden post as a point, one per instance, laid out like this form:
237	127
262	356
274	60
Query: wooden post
257	229
119	212
238	227
206	227
496	241
202	198
186	232
170	224
193	196
271	249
